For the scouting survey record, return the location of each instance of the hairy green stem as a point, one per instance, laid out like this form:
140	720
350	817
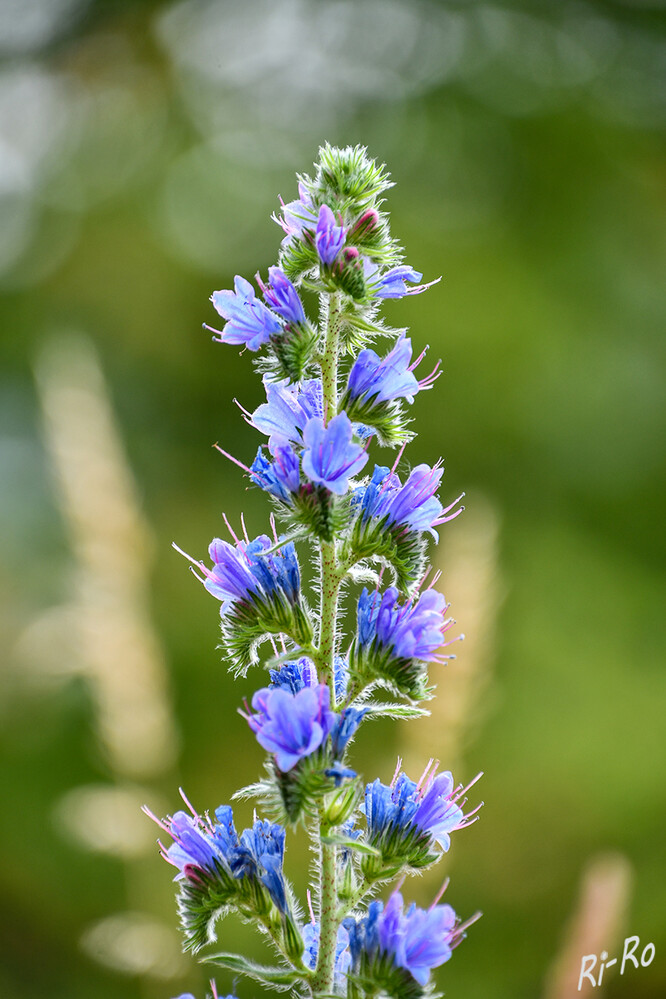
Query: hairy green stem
322	983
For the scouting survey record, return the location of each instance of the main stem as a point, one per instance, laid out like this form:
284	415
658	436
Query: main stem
322	983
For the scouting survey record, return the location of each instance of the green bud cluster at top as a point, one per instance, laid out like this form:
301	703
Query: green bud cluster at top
332	399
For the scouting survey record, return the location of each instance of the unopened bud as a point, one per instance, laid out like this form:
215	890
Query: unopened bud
365	226
292	941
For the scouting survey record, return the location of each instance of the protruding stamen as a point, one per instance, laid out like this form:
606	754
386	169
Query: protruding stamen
445	885
398	768
247	540
310	909
459	931
423	776
246	412
397	460
418	360
231	458
195	814
151	815
464	790
230	529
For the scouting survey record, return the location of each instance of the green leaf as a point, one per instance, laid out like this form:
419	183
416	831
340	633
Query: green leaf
351	844
280	978
379	710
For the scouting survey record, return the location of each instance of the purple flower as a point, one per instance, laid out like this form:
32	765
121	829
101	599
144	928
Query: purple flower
281	477
413	630
413	504
399	815
287	410
212	851
291	726
384	379
329	237
282	297
249	321
393	283
330	457
297	215
193	846
417	940
250	572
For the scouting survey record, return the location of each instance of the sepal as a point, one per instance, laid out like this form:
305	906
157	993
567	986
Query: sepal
386	418
376	664
378	975
401	549
291	353
342	806
246	625
303	787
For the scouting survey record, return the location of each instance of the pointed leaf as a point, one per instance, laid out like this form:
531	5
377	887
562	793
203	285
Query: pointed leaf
280	978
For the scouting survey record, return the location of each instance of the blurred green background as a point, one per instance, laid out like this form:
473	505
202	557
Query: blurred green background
143	146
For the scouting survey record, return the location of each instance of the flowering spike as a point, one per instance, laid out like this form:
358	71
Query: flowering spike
331	396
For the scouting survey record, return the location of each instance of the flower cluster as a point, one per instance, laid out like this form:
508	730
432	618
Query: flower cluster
390	939
395	640
330	398
407	819
217	868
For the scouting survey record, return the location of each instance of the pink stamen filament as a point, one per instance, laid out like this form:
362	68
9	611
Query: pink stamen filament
231	458
230	529
445	885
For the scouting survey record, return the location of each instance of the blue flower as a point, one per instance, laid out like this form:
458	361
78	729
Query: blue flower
413	630
248	572
249	321
329	237
287	410
295	676
400	816
276	571
417	940
260	854
330	457
281	477
345	727
412	505
212	851
310	934
282	297
291	726
383	379
393	283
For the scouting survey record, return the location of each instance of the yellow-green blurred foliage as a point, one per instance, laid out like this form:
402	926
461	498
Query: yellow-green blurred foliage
143	146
